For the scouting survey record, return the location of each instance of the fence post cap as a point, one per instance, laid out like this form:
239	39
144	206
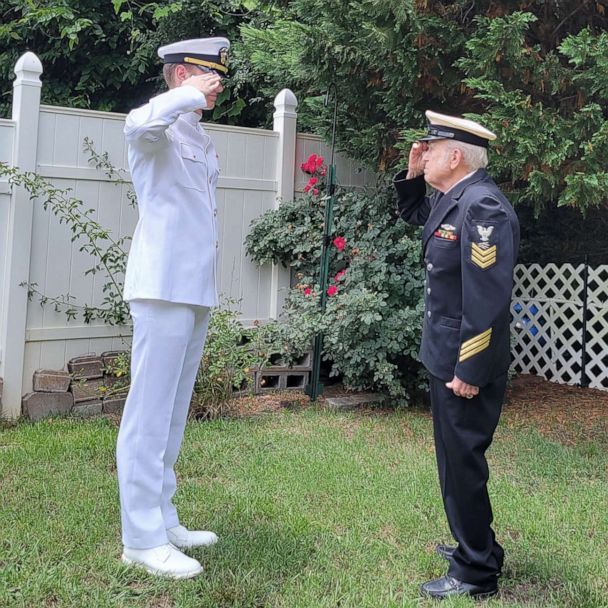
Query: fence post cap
28	67
285	99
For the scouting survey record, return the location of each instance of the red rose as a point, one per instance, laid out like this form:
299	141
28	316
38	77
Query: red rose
340	243
319	160
312	181
307	291
315	191
332	290
307	188
340	275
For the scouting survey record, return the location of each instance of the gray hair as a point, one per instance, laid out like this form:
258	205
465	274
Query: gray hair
474	157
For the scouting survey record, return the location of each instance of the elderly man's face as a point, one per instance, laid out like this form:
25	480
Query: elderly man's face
437	163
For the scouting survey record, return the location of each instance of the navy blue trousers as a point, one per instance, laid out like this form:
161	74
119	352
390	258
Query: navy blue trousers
463	430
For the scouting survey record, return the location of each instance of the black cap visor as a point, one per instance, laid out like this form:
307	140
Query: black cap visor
442	132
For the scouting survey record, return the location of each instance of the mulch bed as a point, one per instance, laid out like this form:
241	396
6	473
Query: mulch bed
567	414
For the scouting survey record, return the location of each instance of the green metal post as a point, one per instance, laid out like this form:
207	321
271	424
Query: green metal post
315	388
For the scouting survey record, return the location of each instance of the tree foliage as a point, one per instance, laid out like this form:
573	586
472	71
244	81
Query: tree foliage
102	55
534	71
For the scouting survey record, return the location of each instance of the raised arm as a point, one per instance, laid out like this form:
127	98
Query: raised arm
146	126
413	204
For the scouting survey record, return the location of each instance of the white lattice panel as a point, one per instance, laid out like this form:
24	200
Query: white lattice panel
547	323
597	346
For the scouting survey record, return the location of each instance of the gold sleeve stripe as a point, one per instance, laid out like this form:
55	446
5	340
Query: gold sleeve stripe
473	352
482	343
475	345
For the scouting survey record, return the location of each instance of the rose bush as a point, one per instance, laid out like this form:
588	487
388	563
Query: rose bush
373	316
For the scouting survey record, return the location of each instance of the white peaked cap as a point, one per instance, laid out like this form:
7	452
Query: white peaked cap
211	53
442	126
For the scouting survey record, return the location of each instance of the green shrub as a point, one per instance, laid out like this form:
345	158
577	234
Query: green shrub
231	351
373	316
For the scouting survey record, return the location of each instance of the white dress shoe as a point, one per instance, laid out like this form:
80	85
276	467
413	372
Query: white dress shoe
184	539
164	560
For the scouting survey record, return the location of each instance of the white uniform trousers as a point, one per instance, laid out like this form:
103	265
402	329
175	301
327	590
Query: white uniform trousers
168	340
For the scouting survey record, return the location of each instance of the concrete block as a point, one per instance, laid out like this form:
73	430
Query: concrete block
277	363
89	408
116	386
87	390
268	380
51	381
109	357
113	405
86	366
296	380
40	405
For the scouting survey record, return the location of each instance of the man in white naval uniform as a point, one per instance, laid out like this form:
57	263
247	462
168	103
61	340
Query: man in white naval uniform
170	285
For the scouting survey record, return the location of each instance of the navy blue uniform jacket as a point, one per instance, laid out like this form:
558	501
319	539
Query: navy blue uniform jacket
469	241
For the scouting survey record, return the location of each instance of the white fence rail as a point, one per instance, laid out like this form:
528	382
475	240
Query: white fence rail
550	337
258	169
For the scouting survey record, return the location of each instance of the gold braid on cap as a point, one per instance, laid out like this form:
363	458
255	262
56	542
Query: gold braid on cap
207	64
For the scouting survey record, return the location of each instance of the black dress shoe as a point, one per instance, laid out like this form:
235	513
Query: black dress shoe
445	551
447	586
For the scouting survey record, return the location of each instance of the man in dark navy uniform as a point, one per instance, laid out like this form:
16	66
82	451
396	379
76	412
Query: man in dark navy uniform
470	241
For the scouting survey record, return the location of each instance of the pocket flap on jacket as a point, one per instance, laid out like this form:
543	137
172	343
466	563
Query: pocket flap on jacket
193	153
449	322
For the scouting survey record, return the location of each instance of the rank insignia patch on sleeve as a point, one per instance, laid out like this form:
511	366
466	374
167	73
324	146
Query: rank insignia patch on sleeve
483	254
484	258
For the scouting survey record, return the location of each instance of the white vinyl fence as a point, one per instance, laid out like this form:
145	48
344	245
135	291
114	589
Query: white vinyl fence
258	169
556	329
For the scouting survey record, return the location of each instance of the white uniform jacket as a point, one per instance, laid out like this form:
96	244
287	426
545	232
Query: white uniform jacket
174	169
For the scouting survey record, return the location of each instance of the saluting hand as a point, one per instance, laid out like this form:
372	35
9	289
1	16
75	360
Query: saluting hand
416	164
210	85
462	389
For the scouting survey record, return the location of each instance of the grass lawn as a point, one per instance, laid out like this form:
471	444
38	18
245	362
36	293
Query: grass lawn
313	509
